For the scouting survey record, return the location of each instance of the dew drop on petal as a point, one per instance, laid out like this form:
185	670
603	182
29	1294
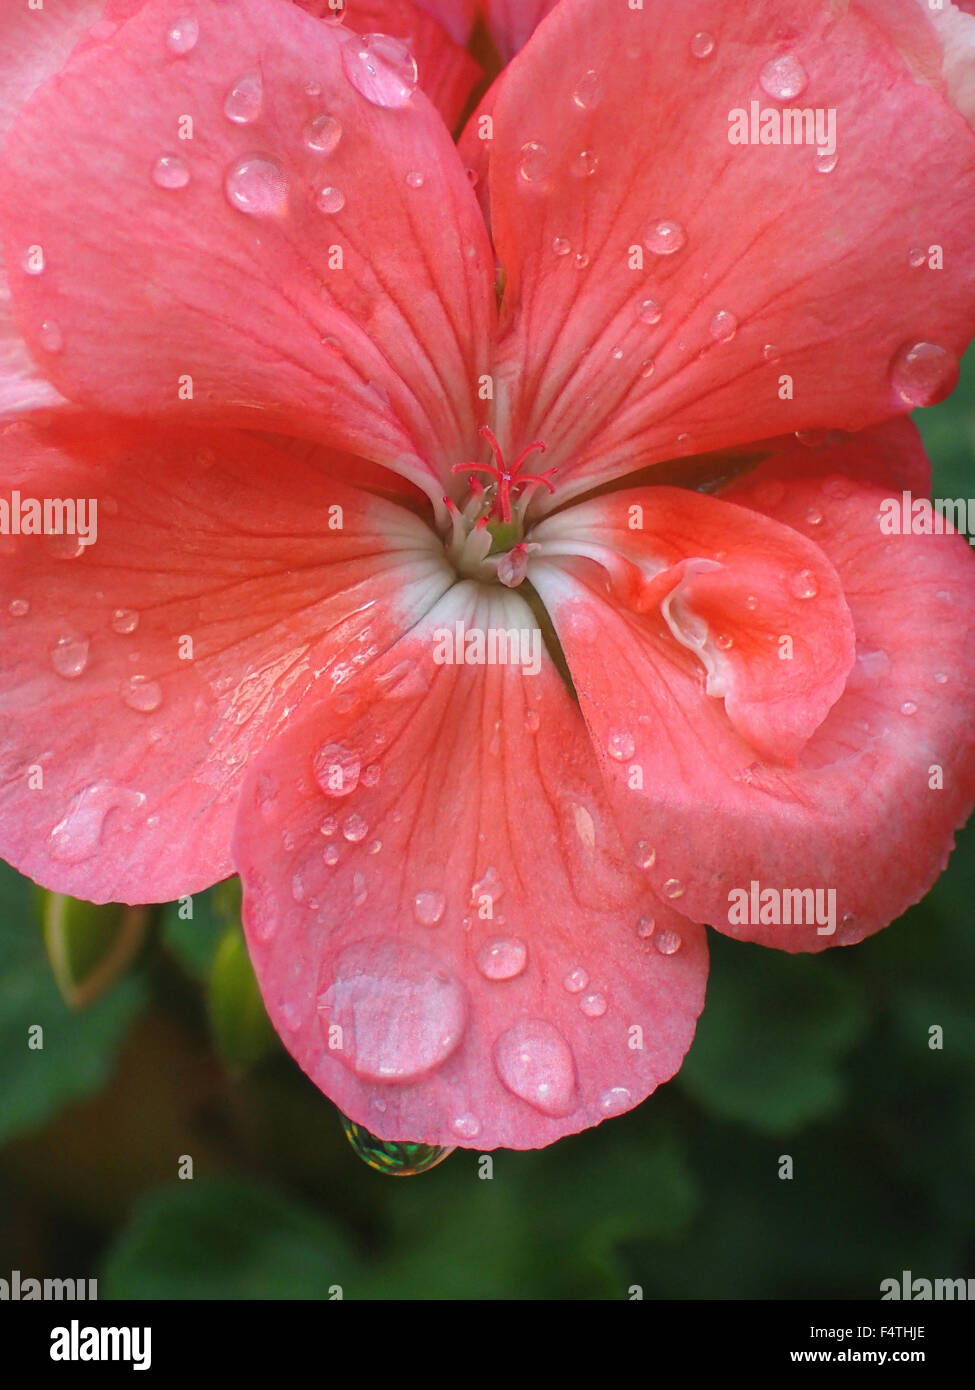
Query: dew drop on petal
336	769
354	828
723	326
589	91
466	1126
668	942
620	746
256	185
534	1062
581	260
804	584
647	368
331	855
560	246
576	980
825	162
533	164
650	311
183	35
502	959
142	694
770	352
724	641
70	657
665	237
170	172
673	888
644	854
923	373
401	1011
909	707
783	78
814	516
381	69
78	835
584	165
646	927
245	99
414	179
322	134
429	907
50	336
615	1100
125	620
593	1005
917	258
20	607
702	45
330	200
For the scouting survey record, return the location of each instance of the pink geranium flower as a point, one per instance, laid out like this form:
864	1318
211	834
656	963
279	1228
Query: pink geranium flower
271	349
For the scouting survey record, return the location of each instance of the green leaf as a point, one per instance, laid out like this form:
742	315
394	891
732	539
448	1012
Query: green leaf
242	1030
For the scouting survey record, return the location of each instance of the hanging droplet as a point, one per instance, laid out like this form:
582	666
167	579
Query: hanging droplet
257	186
245	100
923	373
382	69
322	135
395	1158
665	237
170	172
783	78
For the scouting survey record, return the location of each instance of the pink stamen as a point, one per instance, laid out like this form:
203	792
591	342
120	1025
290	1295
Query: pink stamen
509	480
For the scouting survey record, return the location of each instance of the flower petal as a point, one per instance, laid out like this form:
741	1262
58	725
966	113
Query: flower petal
869	809
226	280
669	292
142	671
446	933
512	22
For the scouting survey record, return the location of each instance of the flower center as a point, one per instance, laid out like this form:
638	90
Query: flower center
486	539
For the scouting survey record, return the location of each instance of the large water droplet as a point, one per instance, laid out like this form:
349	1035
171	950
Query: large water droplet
401	1012
665	237
322	134
256	185
923	373
336	769
395	1158
560	246
783	78
183	35
142	694
70	657
245	99
381	69
78	835
535	1062
502	959
589	91
429	907
533	164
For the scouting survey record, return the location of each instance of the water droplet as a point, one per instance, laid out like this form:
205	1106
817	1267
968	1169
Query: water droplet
751	602
78	834
20	607
414	179
617	354
923	373
322	134
644	854
257	186
814	516
535	1062
589	92
615	1100
502	959
245	99
593	1005
560	246
336	769
329	826
374	847
650	311
646	927
665	237
142	694
183	35
50	336
673	888
804	584
354	828
330	200
125	620
647	368
395	1158
584	165
783	78
429	907
331	855
33	260
939	676
620	746
402	1013
313	89
581	260
909	707
825	162
70	657
576	980
668	942
702	45
770	352
381	69
533	721
724	641
723	326
917	257
467	1126
533	165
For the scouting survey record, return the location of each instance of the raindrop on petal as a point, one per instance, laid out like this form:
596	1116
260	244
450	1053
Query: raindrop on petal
429	907
923	373
245	99
533	164
783	78
170	172
70	657
665	237
142	694
502	959
330	200
395	1158
183	35
534	1061
323	134
256	185
382	69
589	91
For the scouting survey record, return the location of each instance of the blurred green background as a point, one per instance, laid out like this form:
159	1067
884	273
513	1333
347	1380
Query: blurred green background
825	1059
